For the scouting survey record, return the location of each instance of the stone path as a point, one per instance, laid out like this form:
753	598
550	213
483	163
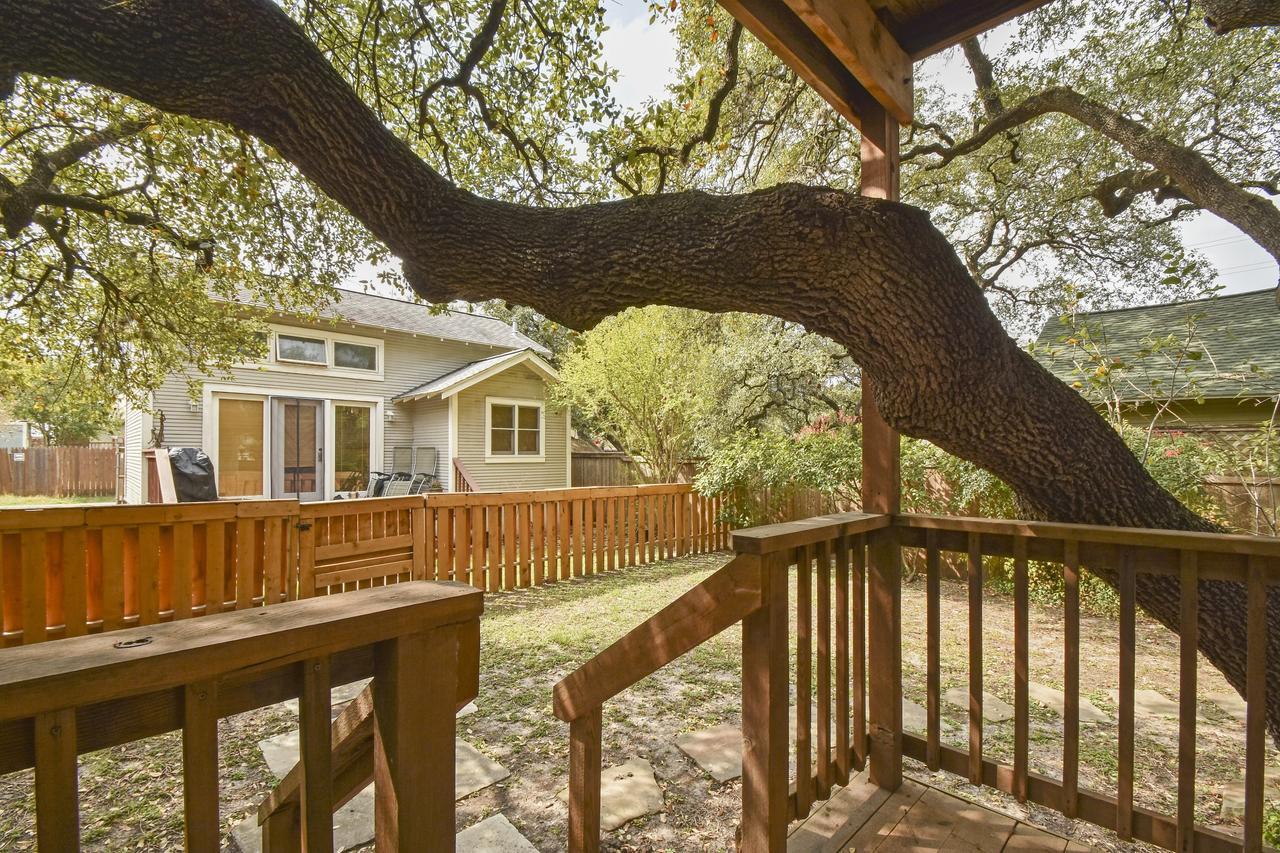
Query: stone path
1056	701
353	823
994	709
627	791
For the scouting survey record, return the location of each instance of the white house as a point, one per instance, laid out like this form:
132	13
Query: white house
373	381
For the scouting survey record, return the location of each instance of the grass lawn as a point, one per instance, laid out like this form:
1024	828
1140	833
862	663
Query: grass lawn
30	501
132	795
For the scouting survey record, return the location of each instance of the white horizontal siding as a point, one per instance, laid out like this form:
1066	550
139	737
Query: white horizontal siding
517	383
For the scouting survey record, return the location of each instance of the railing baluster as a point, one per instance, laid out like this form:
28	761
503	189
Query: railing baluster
822	742
1021	649
804	686
764	712
1128	642
314	751
933	657
975	658
584	783
843	766
1256	715
1188	640
200	766
1070	675
858	651
57	795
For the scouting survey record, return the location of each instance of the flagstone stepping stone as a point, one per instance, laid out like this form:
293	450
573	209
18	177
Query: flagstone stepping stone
1231	703
494	834
352	826
1151	703
627	791
473	771
994	709
717	750
1055	700
1233	794
915	718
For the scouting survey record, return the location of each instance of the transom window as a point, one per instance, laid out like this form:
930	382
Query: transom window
515	429
354	356
297	348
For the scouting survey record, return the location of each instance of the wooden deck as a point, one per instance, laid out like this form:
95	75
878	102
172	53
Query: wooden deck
917	817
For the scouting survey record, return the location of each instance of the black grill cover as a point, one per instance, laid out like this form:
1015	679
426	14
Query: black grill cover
192	475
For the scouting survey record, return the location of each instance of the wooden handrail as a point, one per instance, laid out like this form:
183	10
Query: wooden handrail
61	699
774	538
721	600
733	593
462	479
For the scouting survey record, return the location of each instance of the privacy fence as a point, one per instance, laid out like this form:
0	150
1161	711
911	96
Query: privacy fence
59	471
68	571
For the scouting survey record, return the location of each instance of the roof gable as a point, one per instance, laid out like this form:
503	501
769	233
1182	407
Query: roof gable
456	381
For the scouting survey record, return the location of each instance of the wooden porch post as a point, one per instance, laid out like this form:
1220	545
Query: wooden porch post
881	493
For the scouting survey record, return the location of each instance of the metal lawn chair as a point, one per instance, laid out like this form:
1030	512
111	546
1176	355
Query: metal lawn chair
402	472
426	462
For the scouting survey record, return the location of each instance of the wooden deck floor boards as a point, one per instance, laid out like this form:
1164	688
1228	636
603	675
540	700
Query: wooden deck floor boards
863	818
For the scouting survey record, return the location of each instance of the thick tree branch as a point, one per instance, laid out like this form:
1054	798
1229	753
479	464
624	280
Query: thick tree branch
1194	177
983	76
1224	16
874	276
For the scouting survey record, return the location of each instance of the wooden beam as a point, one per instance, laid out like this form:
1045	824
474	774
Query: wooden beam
952	23
795	44
881	493
853	33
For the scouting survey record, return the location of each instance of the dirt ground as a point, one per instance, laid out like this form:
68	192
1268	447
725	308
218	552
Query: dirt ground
132	795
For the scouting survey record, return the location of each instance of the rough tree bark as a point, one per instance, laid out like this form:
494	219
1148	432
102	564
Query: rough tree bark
1223	16
873	275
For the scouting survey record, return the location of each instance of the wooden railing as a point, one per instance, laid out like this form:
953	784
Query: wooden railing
418	642
68	571
462	479
856	673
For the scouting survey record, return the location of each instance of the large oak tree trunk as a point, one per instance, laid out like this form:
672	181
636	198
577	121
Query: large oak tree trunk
875	276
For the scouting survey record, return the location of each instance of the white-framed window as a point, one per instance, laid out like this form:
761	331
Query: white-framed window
514	430
297	350
301	349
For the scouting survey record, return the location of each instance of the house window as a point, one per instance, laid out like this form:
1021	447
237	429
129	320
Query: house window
515	429
354	356
352	438
305	350
240	447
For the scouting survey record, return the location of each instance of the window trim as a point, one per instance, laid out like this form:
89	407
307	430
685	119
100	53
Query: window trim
333	355
517	456
331	428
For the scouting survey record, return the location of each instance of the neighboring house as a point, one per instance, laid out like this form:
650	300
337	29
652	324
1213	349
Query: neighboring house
1209	365
15	435
336	398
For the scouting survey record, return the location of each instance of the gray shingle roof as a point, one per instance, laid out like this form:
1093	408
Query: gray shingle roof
400	315
1238	336
384	312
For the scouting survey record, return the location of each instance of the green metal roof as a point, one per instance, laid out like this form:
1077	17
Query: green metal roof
1224	346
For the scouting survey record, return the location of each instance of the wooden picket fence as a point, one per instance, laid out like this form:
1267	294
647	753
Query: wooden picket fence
68	571
59	471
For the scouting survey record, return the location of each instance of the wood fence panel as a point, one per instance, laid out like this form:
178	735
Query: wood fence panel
66	571
58	471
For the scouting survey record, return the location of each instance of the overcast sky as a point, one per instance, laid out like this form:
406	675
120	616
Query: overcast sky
645	57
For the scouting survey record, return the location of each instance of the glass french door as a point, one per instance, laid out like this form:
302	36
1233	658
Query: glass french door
297	449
